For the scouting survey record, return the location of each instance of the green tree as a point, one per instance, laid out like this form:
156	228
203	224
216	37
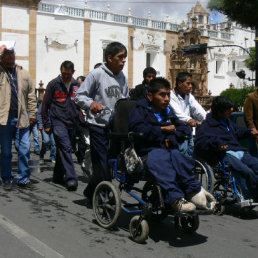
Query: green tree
250	62
242	11
238	96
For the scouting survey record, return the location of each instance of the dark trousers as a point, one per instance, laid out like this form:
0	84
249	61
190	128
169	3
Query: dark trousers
173	172
247	168
99	146
64	162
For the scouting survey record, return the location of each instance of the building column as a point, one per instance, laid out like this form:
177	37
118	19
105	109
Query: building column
130	56
86	59
0	19
32	42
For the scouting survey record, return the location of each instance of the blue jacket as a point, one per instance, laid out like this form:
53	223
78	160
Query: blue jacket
143	120
212	134
59	107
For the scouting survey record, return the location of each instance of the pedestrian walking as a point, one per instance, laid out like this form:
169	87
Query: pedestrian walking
18	109
59	113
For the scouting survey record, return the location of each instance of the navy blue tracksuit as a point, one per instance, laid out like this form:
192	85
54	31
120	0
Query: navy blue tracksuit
172	170
59	113
212	134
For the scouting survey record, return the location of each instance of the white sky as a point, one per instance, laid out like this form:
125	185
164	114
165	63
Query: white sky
175	9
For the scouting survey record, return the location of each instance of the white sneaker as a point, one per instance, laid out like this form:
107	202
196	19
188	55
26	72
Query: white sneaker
183	205
203	200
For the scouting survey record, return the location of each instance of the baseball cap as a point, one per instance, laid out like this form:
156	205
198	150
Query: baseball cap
9	45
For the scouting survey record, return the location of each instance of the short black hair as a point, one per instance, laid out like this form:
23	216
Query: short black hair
68	65
157	84
114	48
149	70
182	77
221	104
81	77
97	65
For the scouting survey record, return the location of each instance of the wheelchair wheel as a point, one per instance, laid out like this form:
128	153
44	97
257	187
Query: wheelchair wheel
139	229
151	193
203	173
106	204
187	224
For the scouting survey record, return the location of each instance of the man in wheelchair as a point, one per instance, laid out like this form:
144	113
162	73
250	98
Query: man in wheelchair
162	130
217	139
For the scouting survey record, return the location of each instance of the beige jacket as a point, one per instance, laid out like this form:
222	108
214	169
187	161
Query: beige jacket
251	110
26	97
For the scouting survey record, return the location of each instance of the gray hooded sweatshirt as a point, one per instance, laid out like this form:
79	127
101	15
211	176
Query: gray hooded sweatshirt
103	87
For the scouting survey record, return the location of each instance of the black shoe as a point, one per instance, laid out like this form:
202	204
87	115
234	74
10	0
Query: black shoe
59	181
37	152
7	186
41	156
72	185
28	186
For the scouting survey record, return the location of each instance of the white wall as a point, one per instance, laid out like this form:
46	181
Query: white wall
22	42
15	18
142	38
65	31
219	82
100	34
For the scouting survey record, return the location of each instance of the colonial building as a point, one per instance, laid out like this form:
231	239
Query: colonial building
47	34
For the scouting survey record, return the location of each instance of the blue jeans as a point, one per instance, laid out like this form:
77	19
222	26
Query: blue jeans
187	146
48	140
246	170
35	131
7	134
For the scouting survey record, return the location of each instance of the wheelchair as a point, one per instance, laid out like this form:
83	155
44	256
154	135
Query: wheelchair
107	201
227	189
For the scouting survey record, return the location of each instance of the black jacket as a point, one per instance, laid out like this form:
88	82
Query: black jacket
143	120
59	107
139	92
212	134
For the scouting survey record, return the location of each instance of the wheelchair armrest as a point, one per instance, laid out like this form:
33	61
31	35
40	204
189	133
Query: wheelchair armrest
130	135
133	135
114	135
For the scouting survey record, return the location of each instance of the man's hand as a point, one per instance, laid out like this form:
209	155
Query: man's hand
168	128
254	133
32	121
40	128
223	147
167	143
96	107
191	122
47	130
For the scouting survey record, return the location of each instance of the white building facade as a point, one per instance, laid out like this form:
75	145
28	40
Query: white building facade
48	34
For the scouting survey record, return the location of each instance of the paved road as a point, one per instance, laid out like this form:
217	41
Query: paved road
52	222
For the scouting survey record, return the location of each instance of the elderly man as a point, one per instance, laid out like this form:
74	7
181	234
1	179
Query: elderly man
186	108
18	109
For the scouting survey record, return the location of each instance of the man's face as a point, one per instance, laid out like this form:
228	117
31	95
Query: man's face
8	58
116	63
149	77
67	74
185	87
228	113
160	100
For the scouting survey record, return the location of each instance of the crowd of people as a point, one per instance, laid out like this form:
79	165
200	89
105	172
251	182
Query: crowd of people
83	108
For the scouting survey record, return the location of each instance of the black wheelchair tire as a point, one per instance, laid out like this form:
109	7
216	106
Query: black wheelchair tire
143	230
187	224
208	174
106	204
157	214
